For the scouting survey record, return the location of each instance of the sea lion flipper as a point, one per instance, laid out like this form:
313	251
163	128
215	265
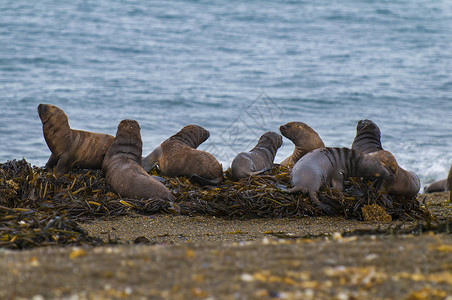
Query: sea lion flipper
152	159
64	164
295	189
204	181
259	172
337	181
51	162
315	200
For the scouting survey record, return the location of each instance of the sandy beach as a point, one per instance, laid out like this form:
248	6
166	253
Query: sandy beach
200	257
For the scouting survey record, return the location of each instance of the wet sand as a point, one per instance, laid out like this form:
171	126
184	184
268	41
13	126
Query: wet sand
201	257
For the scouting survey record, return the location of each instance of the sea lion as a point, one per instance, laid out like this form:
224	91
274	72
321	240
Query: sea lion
178	156
304	138
259	159
442	185
368	141
330	167
122	166
71	148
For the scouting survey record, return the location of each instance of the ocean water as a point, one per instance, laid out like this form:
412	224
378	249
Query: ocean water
236	68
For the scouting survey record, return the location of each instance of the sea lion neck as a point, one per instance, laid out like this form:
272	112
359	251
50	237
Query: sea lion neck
368	137
271	141
191	135
128	140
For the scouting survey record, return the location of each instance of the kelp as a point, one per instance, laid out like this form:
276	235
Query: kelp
26	228
37	207
83	194
267	196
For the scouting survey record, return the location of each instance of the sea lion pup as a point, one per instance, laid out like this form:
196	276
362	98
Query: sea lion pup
368	141
122	166
304	138
330	167
442	185
259	159
178	156
71	148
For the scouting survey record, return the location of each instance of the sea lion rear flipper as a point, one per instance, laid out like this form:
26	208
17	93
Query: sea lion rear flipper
315	200
258	172
295	190
152	159
204	181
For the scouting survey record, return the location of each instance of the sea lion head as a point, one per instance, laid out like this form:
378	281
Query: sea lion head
128	138
302	135
51	114
270	139
192	135
381	164
367	125
387	159
129	128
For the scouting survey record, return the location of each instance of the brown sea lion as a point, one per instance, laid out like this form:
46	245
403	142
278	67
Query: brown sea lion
330	167
71	148
442	185
368	141
304	138
178	156
122	166
259	159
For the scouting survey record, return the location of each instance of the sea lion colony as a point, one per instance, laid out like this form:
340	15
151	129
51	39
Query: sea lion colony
127	172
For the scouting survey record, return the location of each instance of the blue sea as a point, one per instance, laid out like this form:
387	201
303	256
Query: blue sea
237	68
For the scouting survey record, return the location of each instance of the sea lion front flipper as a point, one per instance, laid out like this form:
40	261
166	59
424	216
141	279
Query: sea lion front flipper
64	164
152	159
51	162
337	182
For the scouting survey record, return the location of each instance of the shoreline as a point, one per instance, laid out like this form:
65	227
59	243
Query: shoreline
201	257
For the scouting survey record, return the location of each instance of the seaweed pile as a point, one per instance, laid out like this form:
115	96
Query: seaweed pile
266	196
39	208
